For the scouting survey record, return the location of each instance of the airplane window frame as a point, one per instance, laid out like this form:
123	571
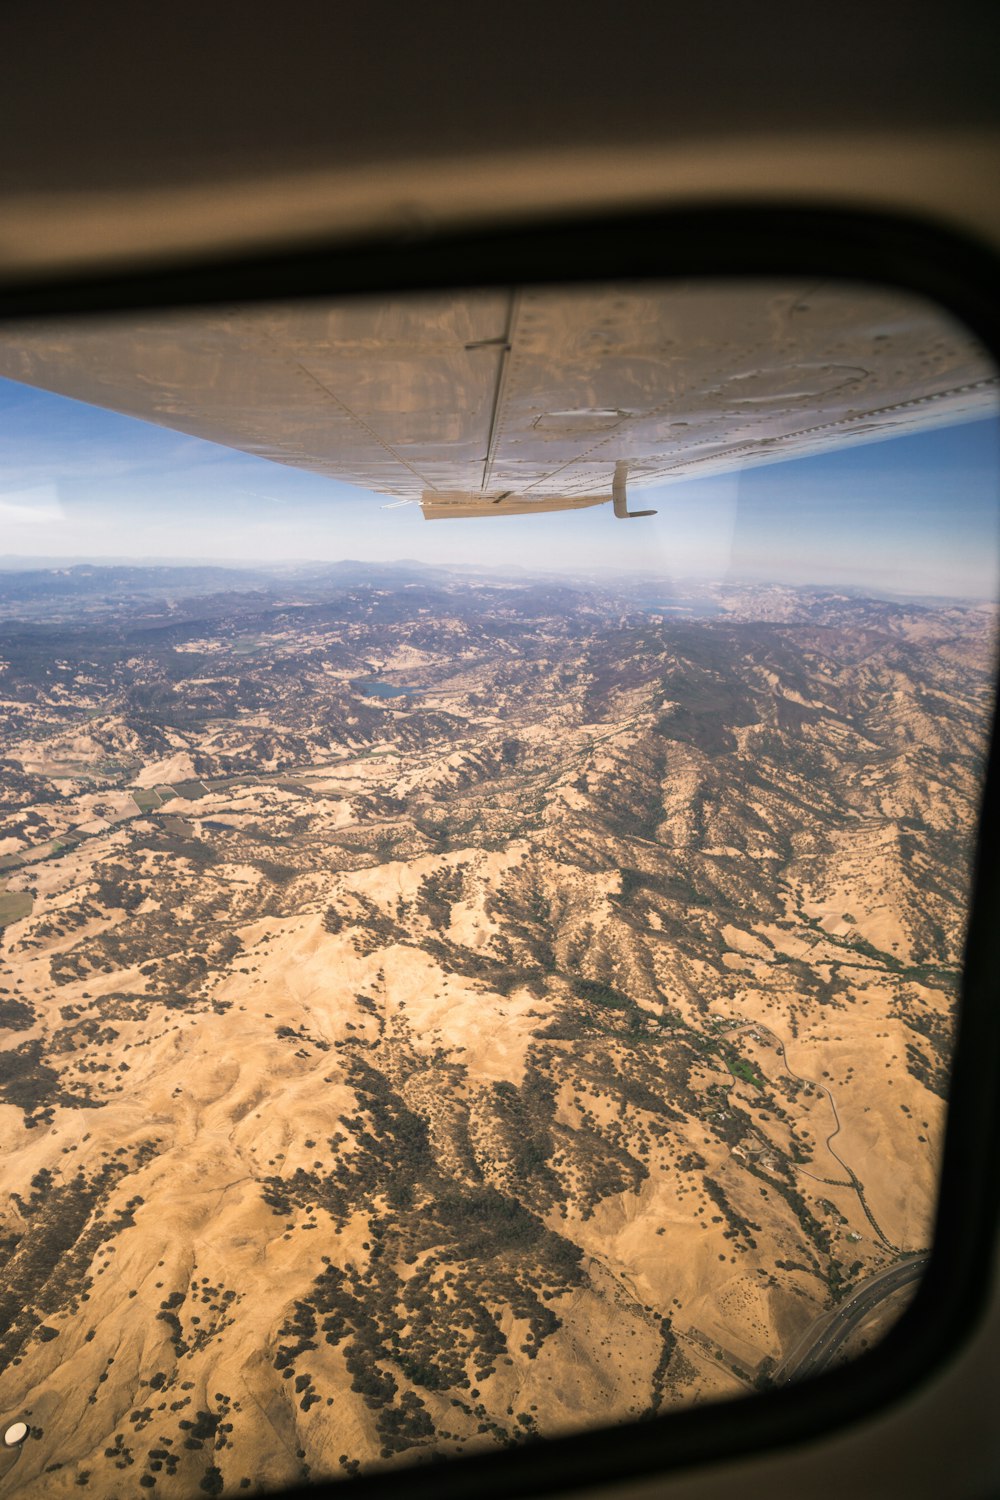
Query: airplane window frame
729	242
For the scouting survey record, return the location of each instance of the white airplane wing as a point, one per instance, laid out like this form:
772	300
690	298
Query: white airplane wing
496	403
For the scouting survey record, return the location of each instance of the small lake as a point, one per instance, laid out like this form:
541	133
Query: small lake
692	609
372	689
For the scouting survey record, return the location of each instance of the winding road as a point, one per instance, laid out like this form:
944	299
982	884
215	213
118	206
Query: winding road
822	1088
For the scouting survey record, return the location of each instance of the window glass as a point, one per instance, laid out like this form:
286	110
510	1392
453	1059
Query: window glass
476	962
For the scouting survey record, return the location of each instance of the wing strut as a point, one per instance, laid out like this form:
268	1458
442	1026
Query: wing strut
619	495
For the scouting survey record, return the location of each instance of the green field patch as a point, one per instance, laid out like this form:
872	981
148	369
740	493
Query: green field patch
14	905
146	799
149	798
740	1068
222	783
190	790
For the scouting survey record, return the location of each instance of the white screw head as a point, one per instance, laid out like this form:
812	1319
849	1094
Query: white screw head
15	1434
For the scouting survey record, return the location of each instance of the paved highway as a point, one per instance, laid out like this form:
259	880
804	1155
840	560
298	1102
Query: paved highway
816	1353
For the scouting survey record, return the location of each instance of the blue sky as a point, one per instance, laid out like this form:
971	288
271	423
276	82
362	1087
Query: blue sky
918	514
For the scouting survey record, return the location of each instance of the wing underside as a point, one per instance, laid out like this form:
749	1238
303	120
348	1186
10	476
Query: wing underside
497	403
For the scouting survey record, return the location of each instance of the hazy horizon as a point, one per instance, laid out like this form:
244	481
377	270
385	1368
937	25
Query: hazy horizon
429	957
912	515
294	568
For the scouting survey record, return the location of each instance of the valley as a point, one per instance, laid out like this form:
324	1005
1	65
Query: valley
444	1012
